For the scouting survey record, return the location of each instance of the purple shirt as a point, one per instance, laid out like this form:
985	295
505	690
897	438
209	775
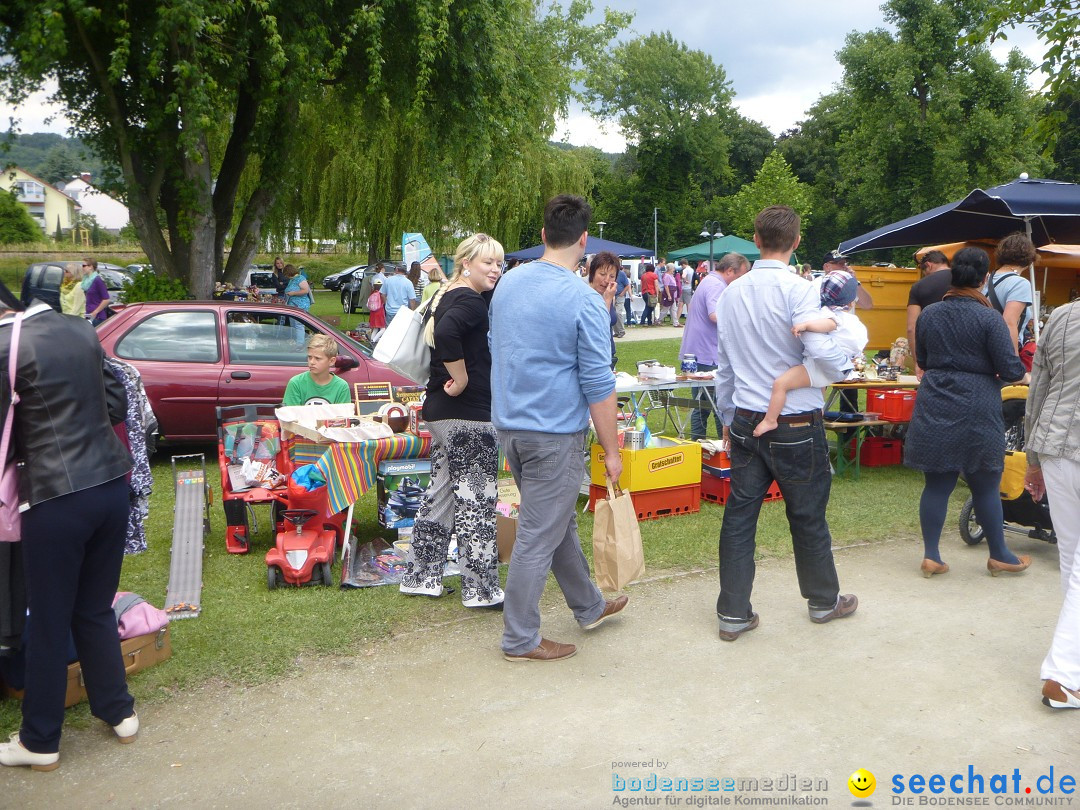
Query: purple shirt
95	294
699	337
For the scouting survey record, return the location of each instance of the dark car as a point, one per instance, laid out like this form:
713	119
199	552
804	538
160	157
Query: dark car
197	355
43	279
334	281
355	292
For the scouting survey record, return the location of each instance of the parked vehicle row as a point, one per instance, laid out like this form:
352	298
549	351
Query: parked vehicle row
197	355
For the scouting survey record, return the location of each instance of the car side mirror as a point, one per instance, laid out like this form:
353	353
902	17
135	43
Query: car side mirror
345	363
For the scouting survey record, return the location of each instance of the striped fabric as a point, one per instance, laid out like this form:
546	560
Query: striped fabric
350	468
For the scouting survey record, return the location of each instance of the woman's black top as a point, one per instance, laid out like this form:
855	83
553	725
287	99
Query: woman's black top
461	333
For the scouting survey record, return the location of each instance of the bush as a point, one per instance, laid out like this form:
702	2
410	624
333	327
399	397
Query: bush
16	224
149	286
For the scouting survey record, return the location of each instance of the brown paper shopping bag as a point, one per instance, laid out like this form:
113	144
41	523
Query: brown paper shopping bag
617	554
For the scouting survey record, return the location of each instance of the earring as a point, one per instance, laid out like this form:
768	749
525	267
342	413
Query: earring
466	273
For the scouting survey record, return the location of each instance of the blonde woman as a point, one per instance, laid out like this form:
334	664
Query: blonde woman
436	277
72	297
464	447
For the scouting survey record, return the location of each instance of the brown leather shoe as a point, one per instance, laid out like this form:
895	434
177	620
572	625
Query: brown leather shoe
546	651
731	635
611	607
930	567
996	567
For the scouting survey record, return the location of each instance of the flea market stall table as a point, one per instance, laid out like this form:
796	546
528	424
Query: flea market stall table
644	398
851	435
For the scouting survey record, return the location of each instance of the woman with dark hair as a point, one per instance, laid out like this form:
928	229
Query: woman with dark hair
957	426
603	269
74	490
414	276
1052	427
95	291
1008	291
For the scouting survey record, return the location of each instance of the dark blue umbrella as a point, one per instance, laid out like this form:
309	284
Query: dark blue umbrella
594	244
1047	210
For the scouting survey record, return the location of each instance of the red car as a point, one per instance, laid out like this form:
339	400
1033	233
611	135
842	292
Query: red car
197	355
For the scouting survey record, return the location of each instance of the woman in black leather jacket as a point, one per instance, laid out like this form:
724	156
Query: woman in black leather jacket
73	488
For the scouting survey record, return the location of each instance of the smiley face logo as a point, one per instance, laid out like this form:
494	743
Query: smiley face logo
862	783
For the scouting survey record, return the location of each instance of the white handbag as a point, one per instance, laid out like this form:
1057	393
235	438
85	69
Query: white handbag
402	345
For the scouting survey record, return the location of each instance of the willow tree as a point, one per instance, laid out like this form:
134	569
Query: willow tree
453	161
199	101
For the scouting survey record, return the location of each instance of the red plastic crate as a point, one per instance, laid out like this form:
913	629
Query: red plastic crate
717	489
894	405
879	451
656	503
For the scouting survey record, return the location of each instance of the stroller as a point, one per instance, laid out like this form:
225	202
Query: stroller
1023	515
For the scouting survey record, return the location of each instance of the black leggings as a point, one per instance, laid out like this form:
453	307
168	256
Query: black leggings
986	496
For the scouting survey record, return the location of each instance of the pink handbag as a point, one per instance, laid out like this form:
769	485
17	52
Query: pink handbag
10	519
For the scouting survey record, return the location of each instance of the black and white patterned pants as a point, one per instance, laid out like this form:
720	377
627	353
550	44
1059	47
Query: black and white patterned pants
461	501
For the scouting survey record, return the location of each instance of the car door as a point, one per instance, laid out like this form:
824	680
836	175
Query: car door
179	356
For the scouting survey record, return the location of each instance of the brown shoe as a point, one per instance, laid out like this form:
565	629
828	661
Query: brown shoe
731	635
846	603
611	607
546	651
930	567
1057	696
996	567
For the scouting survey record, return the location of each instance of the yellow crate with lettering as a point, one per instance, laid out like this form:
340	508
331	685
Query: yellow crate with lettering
671	463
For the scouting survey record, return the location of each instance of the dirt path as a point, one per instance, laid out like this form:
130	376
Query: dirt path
930	676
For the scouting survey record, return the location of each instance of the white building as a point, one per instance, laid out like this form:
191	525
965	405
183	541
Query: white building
109	213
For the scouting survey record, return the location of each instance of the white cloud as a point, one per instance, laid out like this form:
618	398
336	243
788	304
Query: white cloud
36	114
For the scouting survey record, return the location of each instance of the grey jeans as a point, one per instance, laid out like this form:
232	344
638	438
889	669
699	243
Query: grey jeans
548	469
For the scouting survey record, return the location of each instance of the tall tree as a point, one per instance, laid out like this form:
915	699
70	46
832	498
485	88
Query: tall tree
673	106
199	101
923	115
774	184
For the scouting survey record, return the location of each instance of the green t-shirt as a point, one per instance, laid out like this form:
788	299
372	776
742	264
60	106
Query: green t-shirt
302	390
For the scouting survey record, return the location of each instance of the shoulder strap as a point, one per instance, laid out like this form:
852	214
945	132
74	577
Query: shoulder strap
13	368
992	289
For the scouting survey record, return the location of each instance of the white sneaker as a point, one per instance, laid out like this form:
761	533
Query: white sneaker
13	753
128	729
421	590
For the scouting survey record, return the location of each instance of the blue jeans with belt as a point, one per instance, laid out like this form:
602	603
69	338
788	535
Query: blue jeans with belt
795	455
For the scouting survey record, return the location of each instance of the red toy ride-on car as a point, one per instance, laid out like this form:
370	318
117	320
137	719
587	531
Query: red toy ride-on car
304	546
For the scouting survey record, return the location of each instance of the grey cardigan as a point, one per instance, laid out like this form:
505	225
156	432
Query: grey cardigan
1052	420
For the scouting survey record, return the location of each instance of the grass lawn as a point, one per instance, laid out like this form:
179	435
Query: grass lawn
247	634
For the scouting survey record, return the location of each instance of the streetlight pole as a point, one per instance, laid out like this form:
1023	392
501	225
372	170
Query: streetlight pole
655	252
601	224
711	230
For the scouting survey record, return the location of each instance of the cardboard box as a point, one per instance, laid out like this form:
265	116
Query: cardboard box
506	514
671	463
401	486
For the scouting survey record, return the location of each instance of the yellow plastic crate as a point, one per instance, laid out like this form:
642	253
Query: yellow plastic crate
672	463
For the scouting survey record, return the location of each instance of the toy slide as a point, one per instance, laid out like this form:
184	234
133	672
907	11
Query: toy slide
191	523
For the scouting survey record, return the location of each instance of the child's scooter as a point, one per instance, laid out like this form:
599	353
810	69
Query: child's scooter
305	542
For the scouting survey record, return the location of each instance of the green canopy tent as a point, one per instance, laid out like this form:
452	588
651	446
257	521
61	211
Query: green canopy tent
725	244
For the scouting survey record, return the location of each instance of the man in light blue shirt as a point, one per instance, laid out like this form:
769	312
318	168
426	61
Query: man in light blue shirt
550	371
754	320
399	292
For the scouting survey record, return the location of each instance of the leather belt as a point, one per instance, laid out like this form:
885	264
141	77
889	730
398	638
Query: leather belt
807	417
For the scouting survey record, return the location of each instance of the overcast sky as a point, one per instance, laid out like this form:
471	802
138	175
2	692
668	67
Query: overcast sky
779	56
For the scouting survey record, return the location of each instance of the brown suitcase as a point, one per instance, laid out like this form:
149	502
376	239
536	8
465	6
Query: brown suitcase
139	653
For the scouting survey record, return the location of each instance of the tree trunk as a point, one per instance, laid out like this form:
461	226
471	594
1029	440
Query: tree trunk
200	222
246	241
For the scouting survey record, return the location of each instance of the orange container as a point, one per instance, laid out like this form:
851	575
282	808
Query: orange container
718	490
894	405
656	503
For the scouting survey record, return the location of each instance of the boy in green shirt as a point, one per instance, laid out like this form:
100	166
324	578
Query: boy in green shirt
317	386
